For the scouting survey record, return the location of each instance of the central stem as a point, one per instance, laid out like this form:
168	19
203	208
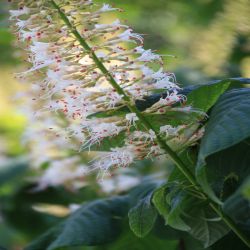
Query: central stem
125	97
161	142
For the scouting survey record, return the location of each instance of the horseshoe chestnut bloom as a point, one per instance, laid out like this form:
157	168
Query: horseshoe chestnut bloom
85	71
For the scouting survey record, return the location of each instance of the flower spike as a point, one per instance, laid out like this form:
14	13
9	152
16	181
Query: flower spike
81	67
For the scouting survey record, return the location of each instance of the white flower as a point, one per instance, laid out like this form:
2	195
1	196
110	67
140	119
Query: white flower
98	132
168	130
139	50
152	135
115	24
131	118
165	83
114	98
147	136
118	157
128	35
101	54
28	35
107	8
16	13
155	151
172	98
21	24
69	83
148	56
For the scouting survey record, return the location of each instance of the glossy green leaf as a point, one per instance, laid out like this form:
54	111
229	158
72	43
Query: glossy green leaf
237	206
160	202
178	202
205	225
193	215
96	223
147	187
227	126
205	96
226	170
130	241
142	217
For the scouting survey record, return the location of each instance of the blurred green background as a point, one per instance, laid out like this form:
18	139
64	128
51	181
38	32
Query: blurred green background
210	39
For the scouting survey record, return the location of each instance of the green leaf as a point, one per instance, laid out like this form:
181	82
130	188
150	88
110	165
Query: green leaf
142	217
178	202
246	189
146	188
227	126
226	170
230	242
237	206
95	223
173	118
205	96
189	158
160	202
205	225
193	215
130	241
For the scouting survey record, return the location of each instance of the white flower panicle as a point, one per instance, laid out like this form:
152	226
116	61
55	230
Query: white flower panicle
87	71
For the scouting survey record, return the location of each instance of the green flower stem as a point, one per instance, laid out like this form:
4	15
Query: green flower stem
126	98
174	157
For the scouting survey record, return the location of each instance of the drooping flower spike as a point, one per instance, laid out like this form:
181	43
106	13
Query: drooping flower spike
90	72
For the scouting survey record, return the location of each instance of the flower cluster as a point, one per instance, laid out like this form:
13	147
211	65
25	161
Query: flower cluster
88	73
